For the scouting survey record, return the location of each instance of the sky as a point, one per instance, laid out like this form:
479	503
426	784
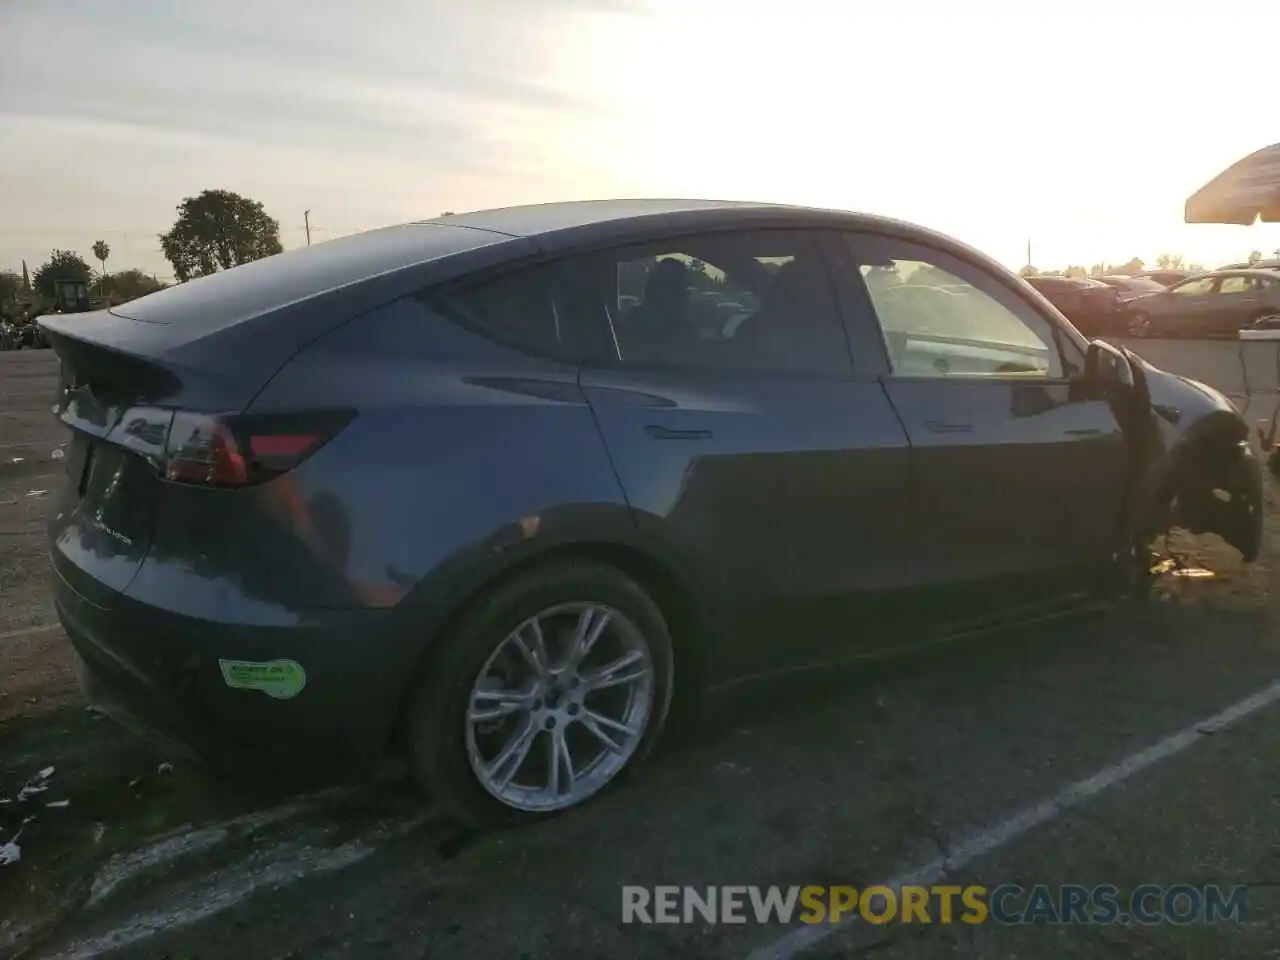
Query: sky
1079	126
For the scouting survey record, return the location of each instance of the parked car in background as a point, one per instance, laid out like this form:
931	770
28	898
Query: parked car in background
1256	265
1217	304
1096	309
427	489
1166	277
1132	288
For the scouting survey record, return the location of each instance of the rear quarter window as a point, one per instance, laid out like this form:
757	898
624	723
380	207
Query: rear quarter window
532	310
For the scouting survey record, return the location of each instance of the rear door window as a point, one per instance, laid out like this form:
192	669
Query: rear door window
750	301
1237	285
1194	288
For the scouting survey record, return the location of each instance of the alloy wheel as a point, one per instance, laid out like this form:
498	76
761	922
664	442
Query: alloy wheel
560	706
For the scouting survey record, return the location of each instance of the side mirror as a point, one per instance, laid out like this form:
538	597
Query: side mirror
1106	368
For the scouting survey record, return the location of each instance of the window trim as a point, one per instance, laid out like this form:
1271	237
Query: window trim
592	260
1006	285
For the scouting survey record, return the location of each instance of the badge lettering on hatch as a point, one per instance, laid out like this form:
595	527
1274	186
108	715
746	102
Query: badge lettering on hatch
278	679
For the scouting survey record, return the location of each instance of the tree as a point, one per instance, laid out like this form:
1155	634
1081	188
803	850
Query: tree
1255	256
218	230
61	265
10	284
131	284
1075	270
101	250
1028	271
1169	261
1130	267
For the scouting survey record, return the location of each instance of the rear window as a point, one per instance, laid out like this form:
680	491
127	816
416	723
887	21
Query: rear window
213	303
1144	285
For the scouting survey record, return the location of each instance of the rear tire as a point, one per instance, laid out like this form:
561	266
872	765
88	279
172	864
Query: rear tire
482	696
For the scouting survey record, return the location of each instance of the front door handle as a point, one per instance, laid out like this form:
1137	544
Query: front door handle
659	432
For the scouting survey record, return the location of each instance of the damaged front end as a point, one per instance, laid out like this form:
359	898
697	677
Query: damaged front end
1193	465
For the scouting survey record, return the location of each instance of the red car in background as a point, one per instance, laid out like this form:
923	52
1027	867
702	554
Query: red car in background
1094	308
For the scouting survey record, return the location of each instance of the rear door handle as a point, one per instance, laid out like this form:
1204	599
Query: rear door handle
944	426
659	432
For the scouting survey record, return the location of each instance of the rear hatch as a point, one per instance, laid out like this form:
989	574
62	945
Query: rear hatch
122	381
118	393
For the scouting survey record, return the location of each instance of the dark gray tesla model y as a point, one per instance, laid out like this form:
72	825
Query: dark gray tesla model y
499	489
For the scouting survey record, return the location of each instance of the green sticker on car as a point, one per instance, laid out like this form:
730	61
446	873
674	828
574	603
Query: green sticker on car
278	679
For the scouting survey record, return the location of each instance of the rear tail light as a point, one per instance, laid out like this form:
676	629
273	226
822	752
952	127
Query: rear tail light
222	451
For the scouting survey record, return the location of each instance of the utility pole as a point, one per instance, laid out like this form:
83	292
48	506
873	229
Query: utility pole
306	218
1028	253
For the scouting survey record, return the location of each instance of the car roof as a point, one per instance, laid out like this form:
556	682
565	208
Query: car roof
399	259
541	218
1233	272
554	227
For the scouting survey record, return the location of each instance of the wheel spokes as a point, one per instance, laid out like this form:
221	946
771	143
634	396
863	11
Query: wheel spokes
532	645
591	624
487	705
598	724
529	696
512	756
559	762
627	669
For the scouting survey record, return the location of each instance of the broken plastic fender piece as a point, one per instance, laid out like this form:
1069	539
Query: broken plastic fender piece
1194	573
9	853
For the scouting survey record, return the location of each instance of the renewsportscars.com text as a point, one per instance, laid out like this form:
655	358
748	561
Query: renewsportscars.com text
1147	904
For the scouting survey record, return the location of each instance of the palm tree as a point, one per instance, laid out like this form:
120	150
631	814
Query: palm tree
101	250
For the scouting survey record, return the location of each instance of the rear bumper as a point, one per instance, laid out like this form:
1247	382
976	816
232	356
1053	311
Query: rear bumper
158	672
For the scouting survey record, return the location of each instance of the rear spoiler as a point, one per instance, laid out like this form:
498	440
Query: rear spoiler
120	363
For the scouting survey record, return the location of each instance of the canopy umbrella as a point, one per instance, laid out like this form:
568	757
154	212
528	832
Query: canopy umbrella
1246	190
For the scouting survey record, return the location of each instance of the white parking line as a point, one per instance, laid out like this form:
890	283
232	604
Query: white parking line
187	842
1028	818
270	868
29	631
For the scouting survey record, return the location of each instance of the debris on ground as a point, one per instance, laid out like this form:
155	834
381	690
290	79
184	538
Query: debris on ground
1194	573
38	784
10	852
